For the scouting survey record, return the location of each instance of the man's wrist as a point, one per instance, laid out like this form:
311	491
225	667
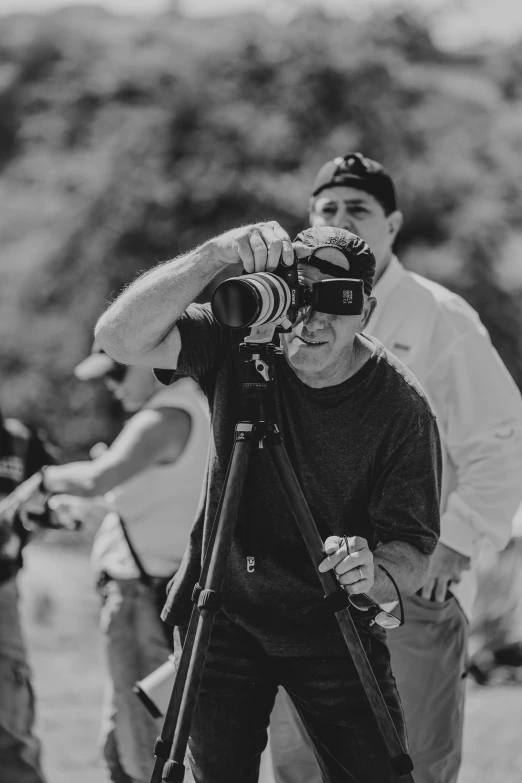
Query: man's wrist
212	255
380	591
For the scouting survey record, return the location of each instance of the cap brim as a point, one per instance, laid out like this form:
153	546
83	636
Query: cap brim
94	366
361	183
343	179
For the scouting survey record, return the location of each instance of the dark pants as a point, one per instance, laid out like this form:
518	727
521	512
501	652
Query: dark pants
19	748
229	729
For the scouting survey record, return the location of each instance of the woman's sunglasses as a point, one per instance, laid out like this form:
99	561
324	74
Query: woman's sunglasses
115	375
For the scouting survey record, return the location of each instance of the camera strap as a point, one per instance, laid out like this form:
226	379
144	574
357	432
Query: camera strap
144	576
326	267
157	586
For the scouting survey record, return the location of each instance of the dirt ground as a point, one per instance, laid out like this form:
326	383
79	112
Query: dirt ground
59	607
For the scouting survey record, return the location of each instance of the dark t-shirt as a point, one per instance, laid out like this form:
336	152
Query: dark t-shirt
23	452
366	453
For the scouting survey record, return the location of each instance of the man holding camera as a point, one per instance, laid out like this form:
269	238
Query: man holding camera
479	414
364	444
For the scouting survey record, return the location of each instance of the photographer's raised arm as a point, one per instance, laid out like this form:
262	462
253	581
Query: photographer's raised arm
139	328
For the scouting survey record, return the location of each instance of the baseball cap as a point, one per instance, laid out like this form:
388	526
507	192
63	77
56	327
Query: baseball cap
360	259
97	365
356	171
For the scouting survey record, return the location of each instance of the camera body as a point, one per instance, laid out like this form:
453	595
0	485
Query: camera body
273	299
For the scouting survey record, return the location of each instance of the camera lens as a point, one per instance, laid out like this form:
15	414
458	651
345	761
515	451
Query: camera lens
235	304
251	300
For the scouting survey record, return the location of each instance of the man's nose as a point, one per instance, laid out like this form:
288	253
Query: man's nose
344	220
348	224
314	319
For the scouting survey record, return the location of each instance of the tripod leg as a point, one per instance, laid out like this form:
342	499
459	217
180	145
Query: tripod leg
163	744
400	761
208	591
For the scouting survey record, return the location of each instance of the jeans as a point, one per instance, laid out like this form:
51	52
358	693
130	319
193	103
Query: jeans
238	689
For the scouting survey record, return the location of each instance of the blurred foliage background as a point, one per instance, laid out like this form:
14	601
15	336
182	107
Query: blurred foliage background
124	142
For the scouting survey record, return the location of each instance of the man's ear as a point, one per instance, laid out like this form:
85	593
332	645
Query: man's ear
369	307
395	221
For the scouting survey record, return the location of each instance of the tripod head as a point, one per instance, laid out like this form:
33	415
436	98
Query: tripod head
263	356
258	371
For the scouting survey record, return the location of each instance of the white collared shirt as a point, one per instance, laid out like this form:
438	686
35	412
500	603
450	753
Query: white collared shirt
440	338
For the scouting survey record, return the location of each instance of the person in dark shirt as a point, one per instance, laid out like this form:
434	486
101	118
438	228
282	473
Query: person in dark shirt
23	452
364	445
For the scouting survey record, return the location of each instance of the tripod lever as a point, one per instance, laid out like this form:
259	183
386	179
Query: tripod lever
210	600
206	599
173	772
263	369
162	749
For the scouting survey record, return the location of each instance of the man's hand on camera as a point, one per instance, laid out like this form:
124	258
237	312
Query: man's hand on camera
353	568
446	566
259	247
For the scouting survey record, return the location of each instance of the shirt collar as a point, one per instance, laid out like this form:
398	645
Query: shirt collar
389	279
382	289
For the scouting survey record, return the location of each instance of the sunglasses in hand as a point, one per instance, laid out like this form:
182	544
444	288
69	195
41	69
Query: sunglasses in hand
372	611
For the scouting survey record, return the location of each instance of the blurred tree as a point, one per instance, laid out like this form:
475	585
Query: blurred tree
125	142
506	68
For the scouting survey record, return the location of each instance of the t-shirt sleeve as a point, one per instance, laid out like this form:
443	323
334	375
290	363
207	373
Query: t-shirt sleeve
405	502
204	343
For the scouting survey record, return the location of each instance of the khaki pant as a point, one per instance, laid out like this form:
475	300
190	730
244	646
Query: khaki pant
292	756
429	663
135	645
19	748
428	660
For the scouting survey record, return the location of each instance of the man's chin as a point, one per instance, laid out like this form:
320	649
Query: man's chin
305	360
131	407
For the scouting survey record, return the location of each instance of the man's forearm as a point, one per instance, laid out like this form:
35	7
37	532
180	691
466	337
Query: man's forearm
146	312
77	478
405	563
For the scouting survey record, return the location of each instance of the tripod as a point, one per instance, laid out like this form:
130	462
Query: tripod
258	431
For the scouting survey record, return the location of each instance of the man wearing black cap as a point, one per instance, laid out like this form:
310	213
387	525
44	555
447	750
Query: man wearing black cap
479	413
364	445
